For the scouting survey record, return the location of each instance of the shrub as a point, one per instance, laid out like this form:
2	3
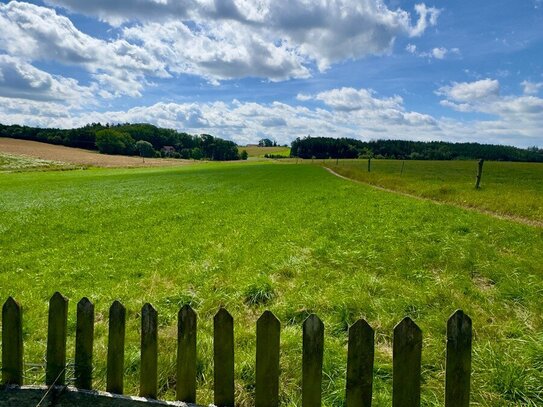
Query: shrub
145	148
244	155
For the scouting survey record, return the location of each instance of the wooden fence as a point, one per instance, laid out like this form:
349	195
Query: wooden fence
407	348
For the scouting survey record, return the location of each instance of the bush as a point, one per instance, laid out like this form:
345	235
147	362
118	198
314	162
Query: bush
196	154
111	141
244	155
145	148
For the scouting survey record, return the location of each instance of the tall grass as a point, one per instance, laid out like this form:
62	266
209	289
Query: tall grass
290	238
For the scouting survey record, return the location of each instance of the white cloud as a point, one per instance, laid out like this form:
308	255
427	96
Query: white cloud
33	33
471	91
531	88
19	79
287	34
437	53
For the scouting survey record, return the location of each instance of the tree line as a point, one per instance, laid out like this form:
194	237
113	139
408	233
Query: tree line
132	139
326	147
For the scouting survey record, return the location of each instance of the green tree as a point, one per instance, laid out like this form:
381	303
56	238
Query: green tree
244	155
196	154
111	141
145	148
265	142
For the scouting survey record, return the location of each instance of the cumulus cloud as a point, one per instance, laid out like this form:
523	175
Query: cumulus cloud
531	88
471	91
286	34
33	33
19	79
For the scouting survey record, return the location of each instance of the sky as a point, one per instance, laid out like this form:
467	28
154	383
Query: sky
461	71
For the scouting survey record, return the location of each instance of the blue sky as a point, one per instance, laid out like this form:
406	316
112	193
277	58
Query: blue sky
247	69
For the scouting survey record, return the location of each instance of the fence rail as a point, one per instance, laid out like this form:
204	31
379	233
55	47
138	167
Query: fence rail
407	350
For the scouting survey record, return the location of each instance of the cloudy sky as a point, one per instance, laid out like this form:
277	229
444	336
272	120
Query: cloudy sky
458	70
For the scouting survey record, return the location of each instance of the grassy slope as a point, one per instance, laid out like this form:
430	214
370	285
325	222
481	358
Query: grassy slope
217	235
15	163
508	188
261	151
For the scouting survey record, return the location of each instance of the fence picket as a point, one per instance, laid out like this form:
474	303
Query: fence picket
149	352
12	342
186	355
115	348
55	370
223	355
360	356
84	337
406	359
268	330
313	348
458	368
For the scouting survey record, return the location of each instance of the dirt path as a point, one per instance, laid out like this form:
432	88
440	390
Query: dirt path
496	215
72	155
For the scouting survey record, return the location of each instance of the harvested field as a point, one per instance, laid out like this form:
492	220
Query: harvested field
71	155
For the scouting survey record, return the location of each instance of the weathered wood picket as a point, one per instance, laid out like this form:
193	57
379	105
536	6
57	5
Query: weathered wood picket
407	349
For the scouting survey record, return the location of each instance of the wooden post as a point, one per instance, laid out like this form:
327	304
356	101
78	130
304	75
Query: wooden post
55	371
223	354
12	342
479	173
403	165
369	164
84	336
268	330
360	356
186	355
313	347
406	359
115	348
149	352
458	370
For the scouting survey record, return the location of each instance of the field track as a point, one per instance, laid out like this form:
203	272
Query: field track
72	155
518	219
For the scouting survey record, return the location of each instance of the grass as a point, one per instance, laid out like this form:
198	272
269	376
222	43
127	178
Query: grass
260	152
15	163
289	238
513	189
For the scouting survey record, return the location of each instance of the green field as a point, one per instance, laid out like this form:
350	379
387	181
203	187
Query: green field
260	152
301	239
513	189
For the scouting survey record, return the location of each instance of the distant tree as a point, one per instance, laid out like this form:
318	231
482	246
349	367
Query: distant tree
145	148
244	155
265	142
111	141
196	154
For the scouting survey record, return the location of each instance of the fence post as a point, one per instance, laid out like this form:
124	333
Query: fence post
12	342
186	355
458	369
149	352
115	348
223	355
479	173
55	371
360	356
268	330
313	348
406	359
84	337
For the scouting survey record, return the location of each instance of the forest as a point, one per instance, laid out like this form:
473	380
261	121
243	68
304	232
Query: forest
131	139
326	147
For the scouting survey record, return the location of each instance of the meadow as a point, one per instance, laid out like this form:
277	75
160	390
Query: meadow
511	189
260	152
290	238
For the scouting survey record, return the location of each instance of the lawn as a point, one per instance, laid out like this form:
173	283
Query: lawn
225	234
514	189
